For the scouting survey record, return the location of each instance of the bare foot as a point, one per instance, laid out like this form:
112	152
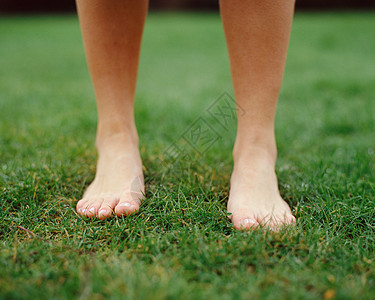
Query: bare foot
254	198
118	187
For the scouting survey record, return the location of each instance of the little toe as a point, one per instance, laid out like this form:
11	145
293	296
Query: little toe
291	220
84	211
90	207
286	220
81	205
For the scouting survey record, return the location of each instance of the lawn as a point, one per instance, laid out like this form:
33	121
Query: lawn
181	244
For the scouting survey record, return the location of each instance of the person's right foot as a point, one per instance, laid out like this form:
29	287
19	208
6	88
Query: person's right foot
118	187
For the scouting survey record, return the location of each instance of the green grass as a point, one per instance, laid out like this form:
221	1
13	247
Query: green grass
181	244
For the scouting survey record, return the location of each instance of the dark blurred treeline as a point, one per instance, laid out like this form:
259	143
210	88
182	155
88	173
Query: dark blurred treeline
40	6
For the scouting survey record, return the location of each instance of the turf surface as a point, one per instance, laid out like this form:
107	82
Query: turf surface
181	244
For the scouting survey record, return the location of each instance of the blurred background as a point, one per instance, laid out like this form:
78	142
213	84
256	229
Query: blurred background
40	6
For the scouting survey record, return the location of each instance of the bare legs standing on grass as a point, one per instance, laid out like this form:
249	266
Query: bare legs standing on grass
257	35
112	31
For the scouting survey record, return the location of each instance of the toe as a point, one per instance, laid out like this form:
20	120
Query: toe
245	223
106	208
81	205
127	205
277	223
274	224
292	220
92	210
286	220
84	209
248	224
289	220
104	213
125	208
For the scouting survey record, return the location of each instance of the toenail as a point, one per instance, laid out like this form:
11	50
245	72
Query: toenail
83	210
126	204
102	211
92	210
133	208
248	222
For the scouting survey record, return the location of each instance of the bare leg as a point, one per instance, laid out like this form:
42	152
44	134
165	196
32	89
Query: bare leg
257	34
112	31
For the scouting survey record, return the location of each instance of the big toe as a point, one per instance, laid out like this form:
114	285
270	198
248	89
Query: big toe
244	222
127	205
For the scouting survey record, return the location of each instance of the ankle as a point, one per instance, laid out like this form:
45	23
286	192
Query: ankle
261	145
121	139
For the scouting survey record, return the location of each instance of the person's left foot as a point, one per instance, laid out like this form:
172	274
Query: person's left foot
254	198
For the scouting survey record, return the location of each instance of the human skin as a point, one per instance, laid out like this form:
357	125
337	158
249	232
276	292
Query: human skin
257	35
112	32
